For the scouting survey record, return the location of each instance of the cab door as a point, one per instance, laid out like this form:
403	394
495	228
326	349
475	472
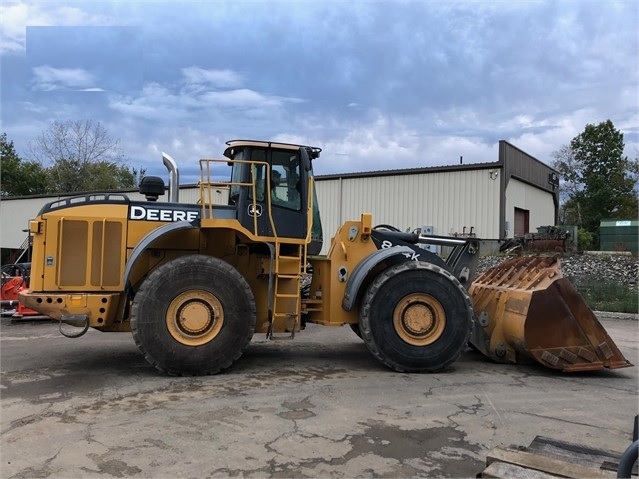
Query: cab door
279	192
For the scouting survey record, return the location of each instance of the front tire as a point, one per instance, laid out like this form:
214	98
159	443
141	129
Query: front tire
355	329
193	315
416	317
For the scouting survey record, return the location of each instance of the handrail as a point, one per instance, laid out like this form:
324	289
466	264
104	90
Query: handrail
24	247
309	218
85	198
267	193
309	209
206	184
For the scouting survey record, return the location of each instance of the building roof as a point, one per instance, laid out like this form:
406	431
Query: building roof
413	171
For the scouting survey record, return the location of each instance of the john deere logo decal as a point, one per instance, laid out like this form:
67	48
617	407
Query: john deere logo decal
146	213
255	210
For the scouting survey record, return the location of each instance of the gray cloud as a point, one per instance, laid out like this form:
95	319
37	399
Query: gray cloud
85	57
376	84
47	78
216	78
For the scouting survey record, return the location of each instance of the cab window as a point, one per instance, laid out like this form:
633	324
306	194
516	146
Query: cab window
236	175
258	175
285	180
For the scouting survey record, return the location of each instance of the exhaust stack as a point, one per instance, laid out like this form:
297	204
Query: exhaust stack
174	178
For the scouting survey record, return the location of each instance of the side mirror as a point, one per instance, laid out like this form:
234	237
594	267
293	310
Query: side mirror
305	159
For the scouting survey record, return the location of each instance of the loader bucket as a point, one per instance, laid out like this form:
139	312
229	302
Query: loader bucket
526	310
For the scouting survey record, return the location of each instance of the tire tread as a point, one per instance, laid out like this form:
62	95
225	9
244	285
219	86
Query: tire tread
157	275
377	284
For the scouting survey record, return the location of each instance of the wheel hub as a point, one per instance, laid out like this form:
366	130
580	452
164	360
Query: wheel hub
419	319
194	317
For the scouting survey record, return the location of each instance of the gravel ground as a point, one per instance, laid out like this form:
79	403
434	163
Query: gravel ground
605	267
586	268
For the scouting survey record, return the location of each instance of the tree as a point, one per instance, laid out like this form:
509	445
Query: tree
82	156
19	177
570	186
599	181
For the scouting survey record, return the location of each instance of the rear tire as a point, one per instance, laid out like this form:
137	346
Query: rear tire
416	317
193	315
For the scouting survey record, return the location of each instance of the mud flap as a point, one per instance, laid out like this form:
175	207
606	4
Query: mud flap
525	310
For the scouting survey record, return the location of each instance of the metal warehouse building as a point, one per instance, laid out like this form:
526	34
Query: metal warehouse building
496	200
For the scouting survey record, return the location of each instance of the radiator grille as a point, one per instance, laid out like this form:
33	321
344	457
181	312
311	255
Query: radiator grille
90	253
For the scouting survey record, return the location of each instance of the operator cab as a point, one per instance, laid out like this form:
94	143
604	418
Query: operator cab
277	176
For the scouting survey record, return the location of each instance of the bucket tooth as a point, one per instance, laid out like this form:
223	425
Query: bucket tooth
527	310
568	356
587	355
550	359
605	350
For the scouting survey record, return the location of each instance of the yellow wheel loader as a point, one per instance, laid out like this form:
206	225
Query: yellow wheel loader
194	282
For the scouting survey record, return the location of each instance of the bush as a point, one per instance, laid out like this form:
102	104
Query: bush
585	239
607	295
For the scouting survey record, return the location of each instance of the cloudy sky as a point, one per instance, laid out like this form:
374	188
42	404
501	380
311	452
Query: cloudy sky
376	84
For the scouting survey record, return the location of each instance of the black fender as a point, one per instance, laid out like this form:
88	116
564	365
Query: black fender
151	237
362	270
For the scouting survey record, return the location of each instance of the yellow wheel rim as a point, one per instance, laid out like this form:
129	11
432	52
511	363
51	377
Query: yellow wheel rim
419	319
195	317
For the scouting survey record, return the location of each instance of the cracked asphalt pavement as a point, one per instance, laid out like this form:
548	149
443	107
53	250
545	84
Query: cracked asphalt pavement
318	406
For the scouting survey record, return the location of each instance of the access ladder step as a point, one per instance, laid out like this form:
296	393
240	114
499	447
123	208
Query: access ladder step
286	295
283	315
282	337
292	258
